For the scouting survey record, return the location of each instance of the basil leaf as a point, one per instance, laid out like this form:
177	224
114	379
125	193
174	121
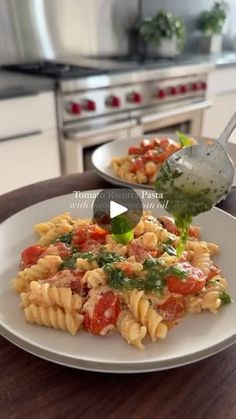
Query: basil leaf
185	140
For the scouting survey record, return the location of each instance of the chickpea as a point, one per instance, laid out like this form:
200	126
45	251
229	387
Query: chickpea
150	240
150	168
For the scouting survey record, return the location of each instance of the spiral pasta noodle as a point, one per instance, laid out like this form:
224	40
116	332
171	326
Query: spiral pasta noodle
209	299
53	317
153	225
55	232
130	330
49	296
201	259
94	278
144	314
43	228
85	265
197	246
46	266
114	247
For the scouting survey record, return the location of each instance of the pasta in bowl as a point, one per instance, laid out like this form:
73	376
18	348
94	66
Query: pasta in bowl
143	161
77	277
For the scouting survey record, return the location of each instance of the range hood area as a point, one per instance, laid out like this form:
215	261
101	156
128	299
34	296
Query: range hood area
34	29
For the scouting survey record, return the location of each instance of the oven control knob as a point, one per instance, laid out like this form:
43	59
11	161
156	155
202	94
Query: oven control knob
161	94
195	86
113	101
183	88
89	105
203	85
74	108
173	91
135	97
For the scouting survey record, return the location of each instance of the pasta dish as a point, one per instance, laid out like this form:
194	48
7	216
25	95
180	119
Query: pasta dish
78	278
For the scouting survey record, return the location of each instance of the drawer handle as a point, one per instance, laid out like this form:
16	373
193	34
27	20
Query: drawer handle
23	135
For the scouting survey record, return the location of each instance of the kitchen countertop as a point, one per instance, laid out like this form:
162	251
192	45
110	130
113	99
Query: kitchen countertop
32	387
225	58
16	85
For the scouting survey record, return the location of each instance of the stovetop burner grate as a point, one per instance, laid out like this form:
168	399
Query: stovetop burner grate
53	69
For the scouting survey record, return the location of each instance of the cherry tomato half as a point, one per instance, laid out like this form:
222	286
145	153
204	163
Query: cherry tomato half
136	150
31	255
137	165
63	249
139	252
147	144
89	233
194	282
169	224
105	313
214	270
172	309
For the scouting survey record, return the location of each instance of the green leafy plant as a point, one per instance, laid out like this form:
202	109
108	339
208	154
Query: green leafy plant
212	21
163	25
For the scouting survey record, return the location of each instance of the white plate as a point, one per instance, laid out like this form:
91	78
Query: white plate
104	154
195	338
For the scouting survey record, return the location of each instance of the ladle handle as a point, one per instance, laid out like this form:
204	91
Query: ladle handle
225	135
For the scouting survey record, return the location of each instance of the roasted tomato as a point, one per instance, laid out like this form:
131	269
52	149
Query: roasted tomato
89	234
67	278
101	311
156	142
31	255
168	144
63	249
147	144
194	281
172	309
136	150
214	270
194	231
137	165
169	224
140	253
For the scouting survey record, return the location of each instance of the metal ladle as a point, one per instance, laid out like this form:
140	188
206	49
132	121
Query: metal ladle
205	167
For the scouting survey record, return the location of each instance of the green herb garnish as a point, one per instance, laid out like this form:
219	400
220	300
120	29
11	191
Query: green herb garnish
65	238
104	258
155	280
170	250
70	262
225	298
152	263
117	279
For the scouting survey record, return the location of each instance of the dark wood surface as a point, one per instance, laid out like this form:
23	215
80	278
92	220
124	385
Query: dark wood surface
34	388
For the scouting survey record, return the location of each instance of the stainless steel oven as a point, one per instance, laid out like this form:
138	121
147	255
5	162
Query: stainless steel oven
84	138
185	118
96	110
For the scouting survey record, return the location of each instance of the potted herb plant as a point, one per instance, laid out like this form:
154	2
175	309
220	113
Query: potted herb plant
211	23
164	34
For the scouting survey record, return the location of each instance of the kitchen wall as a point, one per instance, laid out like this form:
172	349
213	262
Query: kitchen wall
189	10
31	29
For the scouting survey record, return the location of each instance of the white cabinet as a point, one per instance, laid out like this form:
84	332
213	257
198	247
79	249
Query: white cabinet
29	149
30	159
222	92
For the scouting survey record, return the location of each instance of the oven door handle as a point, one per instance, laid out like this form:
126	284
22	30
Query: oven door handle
175	112
92	132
